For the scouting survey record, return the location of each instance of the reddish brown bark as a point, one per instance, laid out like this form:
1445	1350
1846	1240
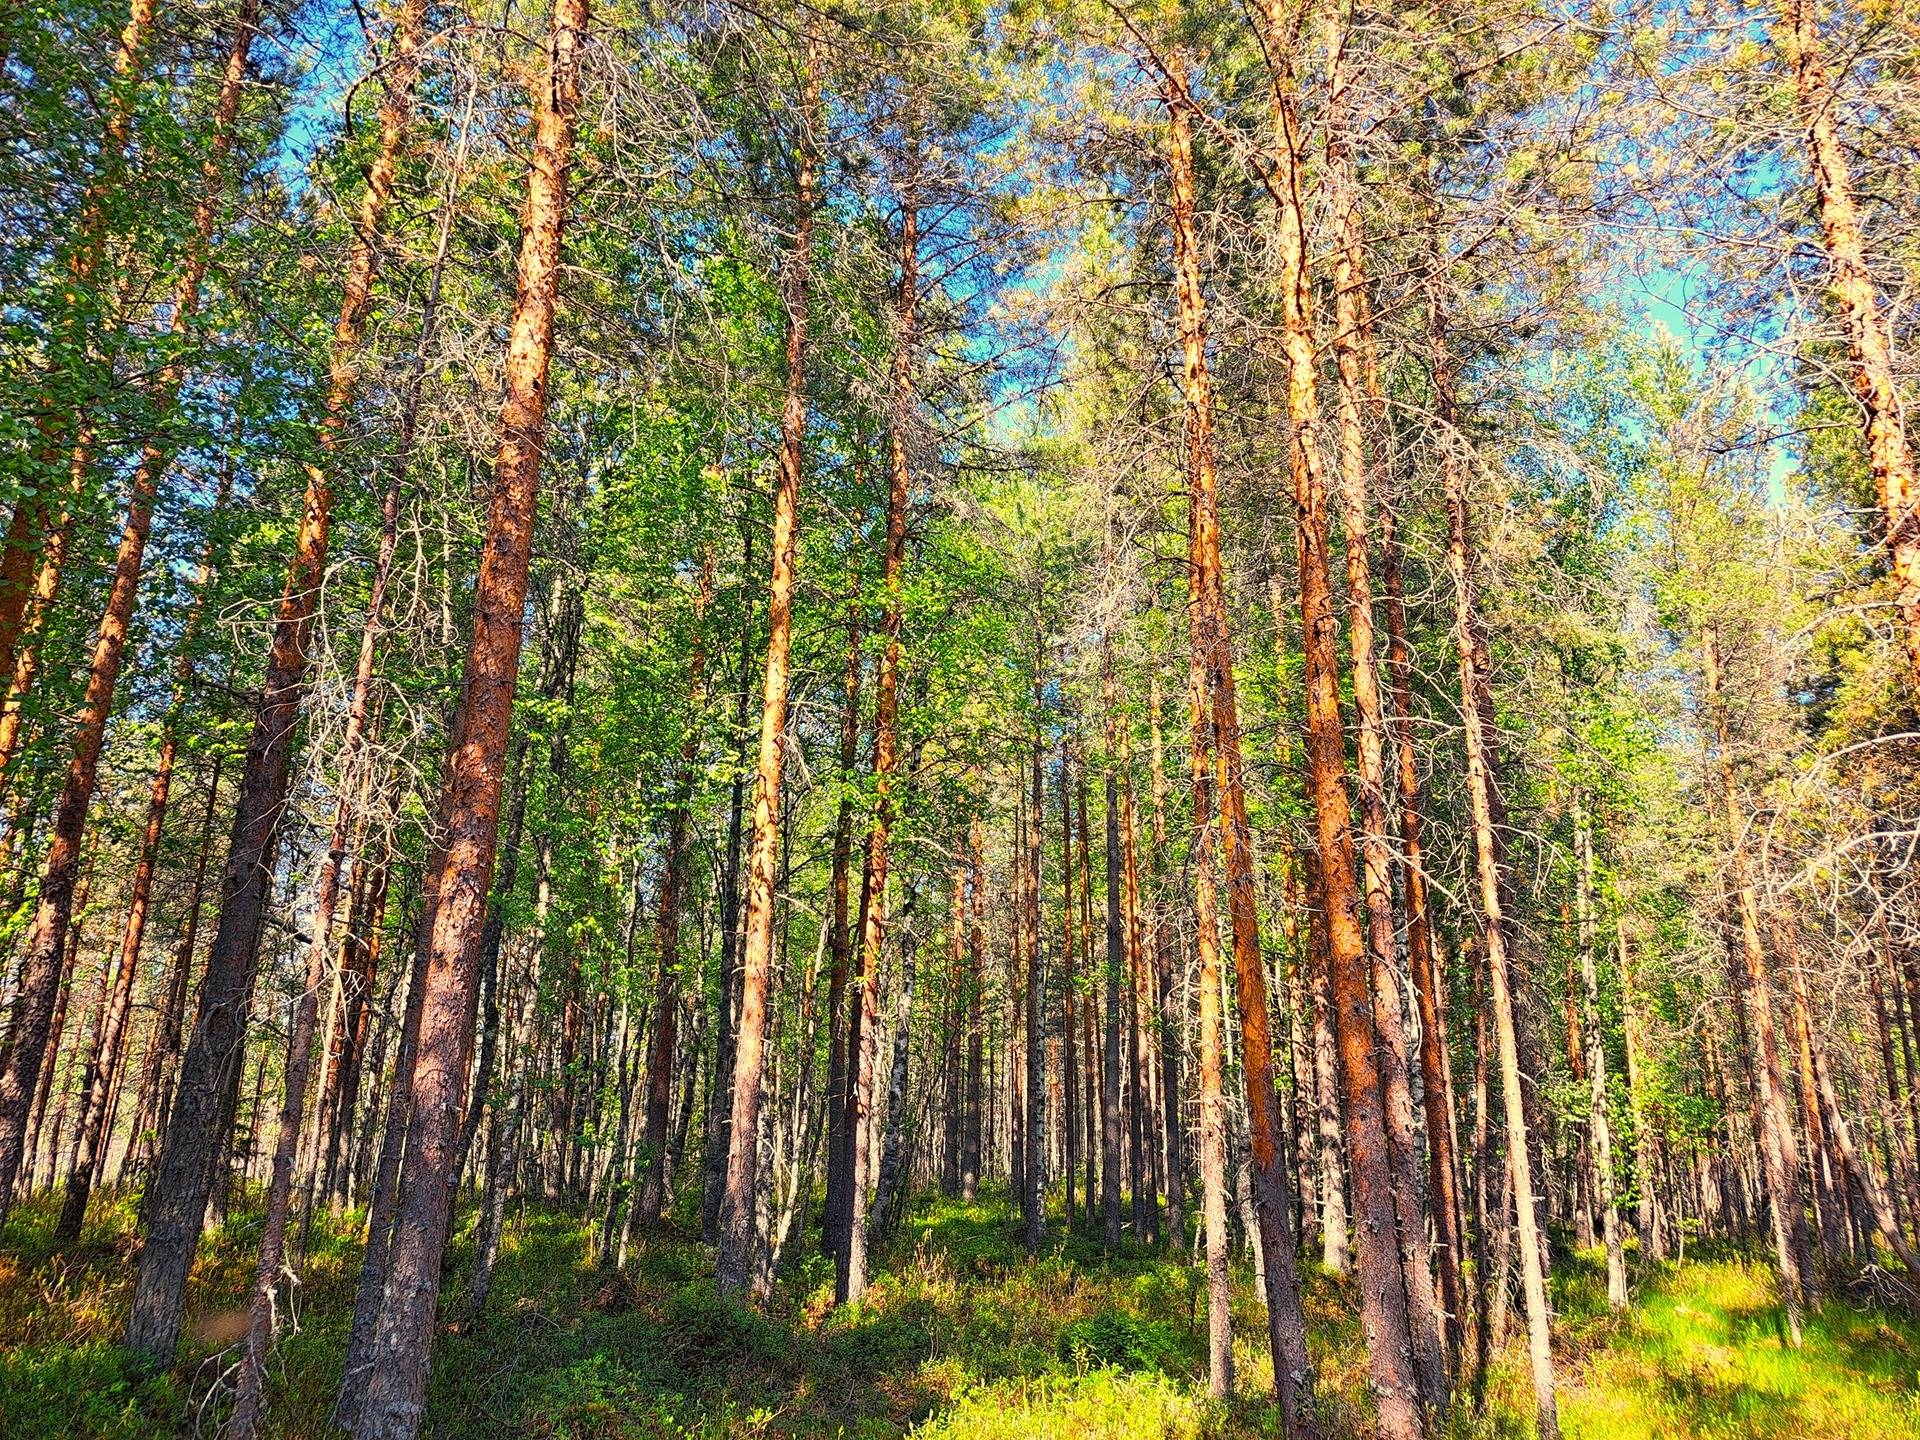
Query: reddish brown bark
91	1135
60	872
735	1266
1210	639
402	1346
22	546
263	1313
1353	414
852	1277
25	667
203	1109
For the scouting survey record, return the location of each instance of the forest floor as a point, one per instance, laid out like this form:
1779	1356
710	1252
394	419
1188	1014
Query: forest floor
961	1338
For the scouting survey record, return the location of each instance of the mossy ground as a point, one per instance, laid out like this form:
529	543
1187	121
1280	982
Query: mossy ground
961	1338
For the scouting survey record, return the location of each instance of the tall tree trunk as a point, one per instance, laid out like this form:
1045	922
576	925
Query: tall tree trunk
1069	986
1889	455
839	1032
852	1276
26	540
1482	767
150	1108
1443	1163
1172	1100
1351	347
202	1113
60	872
972	1138
1780	1154
673	885
1600	1129
1213	1112
1210	637
1033	1201
1112	1122
371	1290
1383	1295
735	1262
90	1138
1090	1109
1144	1202
402	1347
354	780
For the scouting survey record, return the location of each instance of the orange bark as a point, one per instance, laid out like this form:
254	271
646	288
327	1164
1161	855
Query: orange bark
735	1262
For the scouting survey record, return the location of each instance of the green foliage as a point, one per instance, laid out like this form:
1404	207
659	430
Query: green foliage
961	1338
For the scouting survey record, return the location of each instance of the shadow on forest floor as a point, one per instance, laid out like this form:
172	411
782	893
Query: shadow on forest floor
962	1337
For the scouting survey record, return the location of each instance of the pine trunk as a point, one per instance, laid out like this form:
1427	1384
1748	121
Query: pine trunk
202	1114
1210	639
60	872
736	1226
852	1275
402	1345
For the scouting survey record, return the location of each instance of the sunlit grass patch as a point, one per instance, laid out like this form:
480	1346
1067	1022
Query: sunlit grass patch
1097	1405
1704	1354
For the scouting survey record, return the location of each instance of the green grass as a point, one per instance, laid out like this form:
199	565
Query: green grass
961	1337
1703	1355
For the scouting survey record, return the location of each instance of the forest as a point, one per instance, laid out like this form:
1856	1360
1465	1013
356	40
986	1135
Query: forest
1050	718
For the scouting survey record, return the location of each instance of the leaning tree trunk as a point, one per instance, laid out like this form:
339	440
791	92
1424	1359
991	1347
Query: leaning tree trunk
90	1138
1780	1153
735	1262
46	941
402	1346
203	1107
28	562
1889	455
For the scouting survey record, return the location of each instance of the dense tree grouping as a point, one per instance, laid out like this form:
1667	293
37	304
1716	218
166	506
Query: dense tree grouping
1292	629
